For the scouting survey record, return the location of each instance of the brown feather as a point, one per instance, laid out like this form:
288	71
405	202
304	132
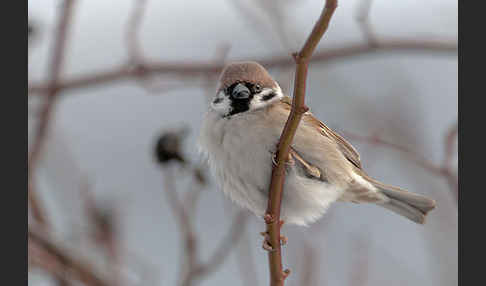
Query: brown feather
346	148
251	72
311	171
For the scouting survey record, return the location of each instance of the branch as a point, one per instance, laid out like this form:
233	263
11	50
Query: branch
363	19
182	219
39	258
203	69
184	214
104	224
135	52
61	262
52	90
272	216
133	27
226	245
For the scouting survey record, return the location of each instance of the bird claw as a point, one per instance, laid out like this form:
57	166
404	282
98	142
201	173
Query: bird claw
266	244
290	161
274	159
268	218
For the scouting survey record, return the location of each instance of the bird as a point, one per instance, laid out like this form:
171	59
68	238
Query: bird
239	136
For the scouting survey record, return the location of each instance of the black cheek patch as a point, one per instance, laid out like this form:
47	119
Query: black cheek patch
268	96
239	105
217	100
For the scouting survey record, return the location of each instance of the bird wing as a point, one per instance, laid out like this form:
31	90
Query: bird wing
346	148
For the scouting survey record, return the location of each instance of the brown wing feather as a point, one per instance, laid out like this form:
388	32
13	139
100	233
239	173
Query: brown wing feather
347	149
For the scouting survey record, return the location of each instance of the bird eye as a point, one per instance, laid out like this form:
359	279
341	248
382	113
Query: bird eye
257	88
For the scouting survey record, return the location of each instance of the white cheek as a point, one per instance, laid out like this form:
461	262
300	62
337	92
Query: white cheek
258	101
223	107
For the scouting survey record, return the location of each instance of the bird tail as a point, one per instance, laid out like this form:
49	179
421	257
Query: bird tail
410	205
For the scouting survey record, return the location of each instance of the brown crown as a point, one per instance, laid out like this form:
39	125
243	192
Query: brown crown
251	72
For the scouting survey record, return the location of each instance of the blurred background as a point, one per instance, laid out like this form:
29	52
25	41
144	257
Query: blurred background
118	194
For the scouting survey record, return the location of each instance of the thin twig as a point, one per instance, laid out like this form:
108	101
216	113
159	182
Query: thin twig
202	69
133	28
184	223
228	243
447	165
45	115
272	215
38	257
362	17
194	268
62	260
135	51
104	233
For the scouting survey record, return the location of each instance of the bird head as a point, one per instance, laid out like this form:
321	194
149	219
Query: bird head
244	87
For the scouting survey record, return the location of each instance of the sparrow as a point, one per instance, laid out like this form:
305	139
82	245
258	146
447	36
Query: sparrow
239	137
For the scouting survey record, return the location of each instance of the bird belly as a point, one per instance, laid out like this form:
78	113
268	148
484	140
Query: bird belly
241	159
305	200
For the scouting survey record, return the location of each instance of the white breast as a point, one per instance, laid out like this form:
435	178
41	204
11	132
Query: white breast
239	152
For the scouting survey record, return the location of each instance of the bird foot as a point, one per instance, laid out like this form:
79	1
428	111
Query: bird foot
283	240
266	243
290	161
268	218
274	159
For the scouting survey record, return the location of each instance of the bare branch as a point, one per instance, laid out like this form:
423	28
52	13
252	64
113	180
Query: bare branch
43	260
57	261
133	28
362	17
447	166
272	216
226	245
103	220
135	52
450	140
203	69
55	66
185	221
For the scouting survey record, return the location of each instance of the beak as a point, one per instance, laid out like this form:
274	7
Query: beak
240	91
